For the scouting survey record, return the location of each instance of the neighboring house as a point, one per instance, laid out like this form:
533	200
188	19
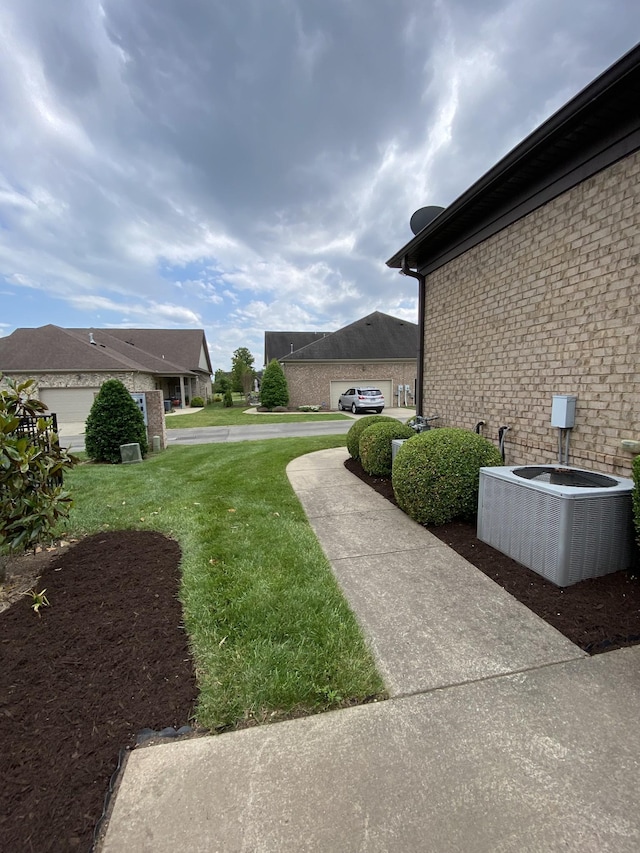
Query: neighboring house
378	350
70	365
531	285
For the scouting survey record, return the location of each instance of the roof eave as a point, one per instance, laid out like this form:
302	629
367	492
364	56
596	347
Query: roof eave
415	248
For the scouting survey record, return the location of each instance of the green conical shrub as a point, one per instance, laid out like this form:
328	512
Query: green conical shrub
114	419
274	390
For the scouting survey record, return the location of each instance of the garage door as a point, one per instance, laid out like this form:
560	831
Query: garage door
339	386
71	405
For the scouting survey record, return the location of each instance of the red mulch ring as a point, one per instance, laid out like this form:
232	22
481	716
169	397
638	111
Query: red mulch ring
599	614
108	658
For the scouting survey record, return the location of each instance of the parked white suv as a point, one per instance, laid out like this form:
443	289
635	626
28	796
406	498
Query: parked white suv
361	399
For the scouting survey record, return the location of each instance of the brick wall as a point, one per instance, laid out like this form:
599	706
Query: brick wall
550	305
309	384
131	381
155	418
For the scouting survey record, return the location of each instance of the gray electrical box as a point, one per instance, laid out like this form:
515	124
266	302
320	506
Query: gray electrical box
563	411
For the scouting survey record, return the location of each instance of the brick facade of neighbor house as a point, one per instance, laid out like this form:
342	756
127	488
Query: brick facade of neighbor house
311	384
549	305
134	382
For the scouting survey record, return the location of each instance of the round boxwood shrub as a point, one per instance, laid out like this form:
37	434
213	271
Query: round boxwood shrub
436	475
353	436
114	419
375	446
197	402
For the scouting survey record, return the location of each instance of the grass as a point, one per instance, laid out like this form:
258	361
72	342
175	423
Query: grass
270	630
215	414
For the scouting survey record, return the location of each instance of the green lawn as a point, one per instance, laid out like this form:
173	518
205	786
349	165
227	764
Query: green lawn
215	414
270	630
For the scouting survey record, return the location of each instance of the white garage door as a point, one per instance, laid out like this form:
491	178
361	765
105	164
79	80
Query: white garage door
341	385
71	405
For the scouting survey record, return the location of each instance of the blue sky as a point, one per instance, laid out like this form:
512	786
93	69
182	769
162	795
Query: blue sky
243	166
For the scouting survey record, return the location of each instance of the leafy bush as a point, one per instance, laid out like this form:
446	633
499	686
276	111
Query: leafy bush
636	496
375	446
114	419
353	436
228	398
274	391
197	402
32	497
217	399
308	408
436	475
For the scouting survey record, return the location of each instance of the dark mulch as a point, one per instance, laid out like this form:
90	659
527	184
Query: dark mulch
598	615
108	658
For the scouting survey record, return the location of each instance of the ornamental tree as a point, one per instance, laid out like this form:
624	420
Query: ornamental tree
32	497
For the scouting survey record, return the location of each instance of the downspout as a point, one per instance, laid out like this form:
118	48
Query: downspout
421	307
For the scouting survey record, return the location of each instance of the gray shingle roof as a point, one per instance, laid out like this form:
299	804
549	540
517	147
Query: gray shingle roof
377	336
51	348
279	344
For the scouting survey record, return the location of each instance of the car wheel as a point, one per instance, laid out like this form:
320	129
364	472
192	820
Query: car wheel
377	411
353	408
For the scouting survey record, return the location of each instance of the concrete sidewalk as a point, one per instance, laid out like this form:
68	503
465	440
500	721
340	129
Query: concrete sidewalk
501	734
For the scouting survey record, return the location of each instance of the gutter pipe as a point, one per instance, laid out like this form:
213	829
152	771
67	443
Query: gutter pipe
421	308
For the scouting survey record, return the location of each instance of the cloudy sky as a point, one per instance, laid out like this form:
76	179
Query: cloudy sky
243	165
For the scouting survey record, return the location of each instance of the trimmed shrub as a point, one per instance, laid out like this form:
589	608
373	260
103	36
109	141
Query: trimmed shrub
636	496
353	436
114	419
227	400
197	402
375	446
274	390
436	475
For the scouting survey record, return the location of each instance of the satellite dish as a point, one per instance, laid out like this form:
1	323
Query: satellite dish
421	218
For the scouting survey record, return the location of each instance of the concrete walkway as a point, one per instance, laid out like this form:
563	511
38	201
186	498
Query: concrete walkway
501	734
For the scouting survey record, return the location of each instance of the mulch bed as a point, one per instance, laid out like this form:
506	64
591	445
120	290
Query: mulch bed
599	614
108	658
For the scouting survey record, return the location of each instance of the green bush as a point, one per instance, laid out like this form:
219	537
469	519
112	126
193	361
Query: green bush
436	475
197	402
375	446
636	496
114	419
274	390
32	497
353	436
227	400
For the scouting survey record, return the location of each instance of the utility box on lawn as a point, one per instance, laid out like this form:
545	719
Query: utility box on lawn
130	453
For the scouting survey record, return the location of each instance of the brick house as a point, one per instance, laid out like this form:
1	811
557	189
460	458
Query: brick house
377	350
529	285
70	365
